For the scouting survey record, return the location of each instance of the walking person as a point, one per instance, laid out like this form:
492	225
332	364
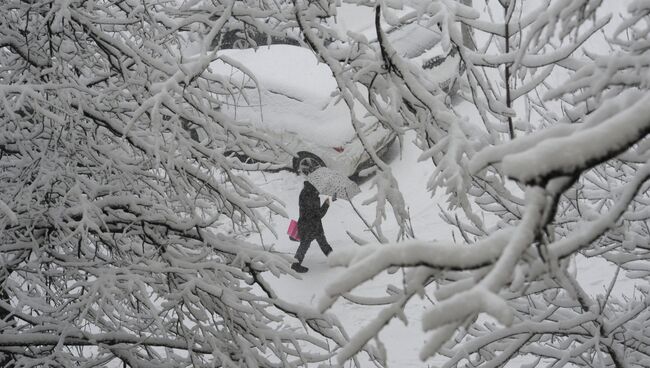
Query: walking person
310	227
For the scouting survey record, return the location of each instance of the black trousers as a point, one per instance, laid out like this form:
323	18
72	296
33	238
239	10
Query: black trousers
305	242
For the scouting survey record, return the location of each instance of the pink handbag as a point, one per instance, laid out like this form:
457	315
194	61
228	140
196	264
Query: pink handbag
293	230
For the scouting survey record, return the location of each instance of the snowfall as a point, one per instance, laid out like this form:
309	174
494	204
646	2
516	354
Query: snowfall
402	341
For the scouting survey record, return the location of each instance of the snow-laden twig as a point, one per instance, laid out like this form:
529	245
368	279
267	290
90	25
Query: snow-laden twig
120	213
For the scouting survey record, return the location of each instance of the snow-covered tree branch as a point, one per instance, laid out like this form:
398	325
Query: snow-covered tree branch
123	212
558	188
120	214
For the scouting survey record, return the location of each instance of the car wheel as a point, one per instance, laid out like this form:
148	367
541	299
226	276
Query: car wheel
306	163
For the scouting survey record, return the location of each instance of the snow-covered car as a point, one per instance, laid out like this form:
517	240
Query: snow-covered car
415	40
240	35
422	45
292	101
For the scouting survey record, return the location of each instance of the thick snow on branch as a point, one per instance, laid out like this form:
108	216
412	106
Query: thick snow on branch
584	148
370	260
121	216
578	154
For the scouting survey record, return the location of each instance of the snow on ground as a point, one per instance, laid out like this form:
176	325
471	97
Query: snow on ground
403	343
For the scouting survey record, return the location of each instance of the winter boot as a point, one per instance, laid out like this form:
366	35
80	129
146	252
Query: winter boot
299	268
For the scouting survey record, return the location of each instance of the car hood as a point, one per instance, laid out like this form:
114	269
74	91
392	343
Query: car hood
295	92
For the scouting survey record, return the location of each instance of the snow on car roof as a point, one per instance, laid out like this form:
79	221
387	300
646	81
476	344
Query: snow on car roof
295	94
418	40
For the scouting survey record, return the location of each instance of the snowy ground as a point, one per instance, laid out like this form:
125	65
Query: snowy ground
403	342
341	218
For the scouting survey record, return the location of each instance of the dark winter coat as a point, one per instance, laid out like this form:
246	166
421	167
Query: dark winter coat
311	212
